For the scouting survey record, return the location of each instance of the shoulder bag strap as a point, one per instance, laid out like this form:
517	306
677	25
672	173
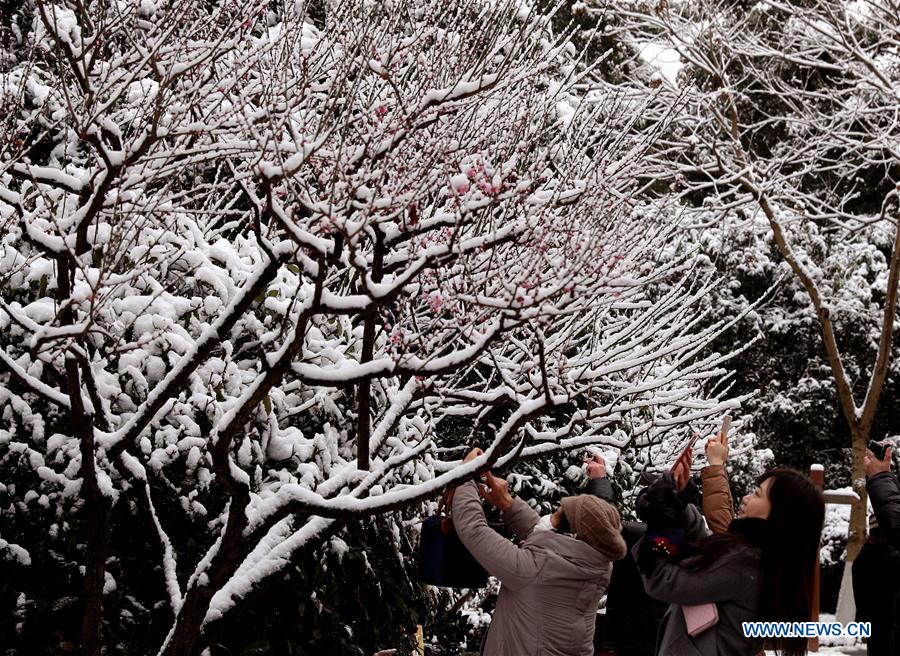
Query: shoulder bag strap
446	501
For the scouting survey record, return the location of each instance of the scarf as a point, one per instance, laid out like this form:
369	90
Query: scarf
752	530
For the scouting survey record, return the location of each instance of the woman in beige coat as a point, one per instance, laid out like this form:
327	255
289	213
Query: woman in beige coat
552	581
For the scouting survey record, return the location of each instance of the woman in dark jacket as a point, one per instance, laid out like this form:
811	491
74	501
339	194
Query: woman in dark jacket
876	579
632	617
884	493
760	569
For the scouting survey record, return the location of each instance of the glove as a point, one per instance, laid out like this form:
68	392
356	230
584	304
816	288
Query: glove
659	506
667	544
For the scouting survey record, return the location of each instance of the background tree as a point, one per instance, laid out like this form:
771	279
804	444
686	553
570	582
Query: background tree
266	268
792	113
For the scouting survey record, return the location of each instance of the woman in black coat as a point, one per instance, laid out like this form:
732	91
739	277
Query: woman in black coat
876	580
884	493
632	616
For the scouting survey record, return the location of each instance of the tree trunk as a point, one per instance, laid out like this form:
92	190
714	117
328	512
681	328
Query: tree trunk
189	623
364	393
185	637
846	605
95	533
96	511
364	397
856	535
858	510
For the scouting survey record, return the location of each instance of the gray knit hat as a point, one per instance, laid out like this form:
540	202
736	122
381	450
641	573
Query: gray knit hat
596	523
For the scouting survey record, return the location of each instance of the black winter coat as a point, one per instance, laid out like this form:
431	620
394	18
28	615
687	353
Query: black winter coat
884	493
632	616
876	580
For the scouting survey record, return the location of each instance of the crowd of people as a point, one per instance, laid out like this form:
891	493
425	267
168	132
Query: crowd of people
680	581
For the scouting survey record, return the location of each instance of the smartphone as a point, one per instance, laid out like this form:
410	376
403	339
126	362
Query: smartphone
692	442
690	445
726	425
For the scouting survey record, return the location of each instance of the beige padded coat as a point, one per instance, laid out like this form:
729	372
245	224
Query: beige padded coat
718	505
551	582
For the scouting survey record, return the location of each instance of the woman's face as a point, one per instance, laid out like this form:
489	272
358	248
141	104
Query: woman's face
757	504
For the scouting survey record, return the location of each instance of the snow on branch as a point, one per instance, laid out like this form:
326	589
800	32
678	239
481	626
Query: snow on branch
285	261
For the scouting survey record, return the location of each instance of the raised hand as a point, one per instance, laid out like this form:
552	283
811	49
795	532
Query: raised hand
717	449
495	491
471	455
681	471
596	467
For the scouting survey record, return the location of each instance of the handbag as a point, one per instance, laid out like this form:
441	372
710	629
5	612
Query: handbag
442	558
698	619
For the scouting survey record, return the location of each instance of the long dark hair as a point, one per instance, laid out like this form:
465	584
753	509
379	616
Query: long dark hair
793	532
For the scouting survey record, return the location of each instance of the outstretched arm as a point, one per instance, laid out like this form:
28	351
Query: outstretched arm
884	492
514	566
718	505
598	482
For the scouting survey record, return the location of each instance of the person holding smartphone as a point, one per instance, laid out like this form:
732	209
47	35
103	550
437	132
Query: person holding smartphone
632	616
760	569
552	580
883	490
884	493
876	580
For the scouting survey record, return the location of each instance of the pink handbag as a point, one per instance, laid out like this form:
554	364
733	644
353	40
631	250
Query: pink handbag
699	618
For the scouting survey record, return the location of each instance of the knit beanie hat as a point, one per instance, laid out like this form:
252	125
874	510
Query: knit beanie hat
596	523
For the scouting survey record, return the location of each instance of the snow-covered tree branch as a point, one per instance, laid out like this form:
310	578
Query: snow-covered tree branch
791	112
265	265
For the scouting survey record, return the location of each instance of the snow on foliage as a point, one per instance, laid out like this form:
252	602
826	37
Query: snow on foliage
271	268
792	115
834	533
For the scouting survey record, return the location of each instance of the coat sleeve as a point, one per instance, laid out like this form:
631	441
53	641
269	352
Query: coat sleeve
514	566
521	518
693	524
718	506
602	489
670	582
885	495
691	528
